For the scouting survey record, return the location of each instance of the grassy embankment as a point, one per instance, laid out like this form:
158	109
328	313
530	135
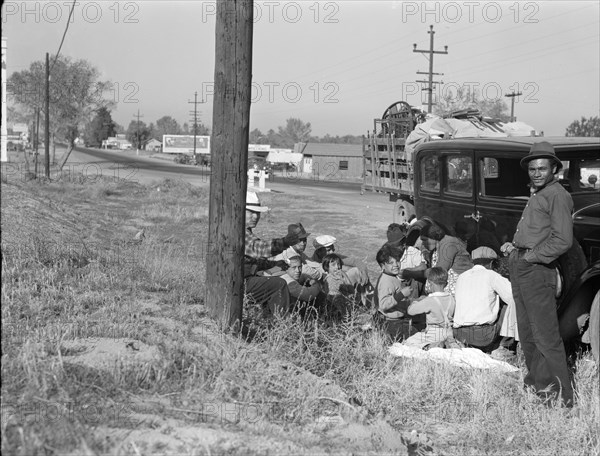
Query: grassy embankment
72	272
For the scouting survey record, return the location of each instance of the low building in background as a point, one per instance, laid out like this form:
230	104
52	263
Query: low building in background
331	161
153	145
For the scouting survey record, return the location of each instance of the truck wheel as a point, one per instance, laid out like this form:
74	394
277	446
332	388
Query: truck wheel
402	211
594	328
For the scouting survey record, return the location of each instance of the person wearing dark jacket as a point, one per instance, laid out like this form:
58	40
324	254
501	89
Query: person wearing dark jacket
543	234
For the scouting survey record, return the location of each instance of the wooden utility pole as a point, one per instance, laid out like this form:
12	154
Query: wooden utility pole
195	119
47	122
137	132
229	162
430	52
512	104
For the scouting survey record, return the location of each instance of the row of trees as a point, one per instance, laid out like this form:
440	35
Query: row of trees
76	94
80	103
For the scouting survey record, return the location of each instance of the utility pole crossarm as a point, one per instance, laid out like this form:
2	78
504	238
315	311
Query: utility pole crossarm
429	53
512	104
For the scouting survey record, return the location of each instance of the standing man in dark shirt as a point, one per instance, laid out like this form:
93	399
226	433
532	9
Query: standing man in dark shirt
544	233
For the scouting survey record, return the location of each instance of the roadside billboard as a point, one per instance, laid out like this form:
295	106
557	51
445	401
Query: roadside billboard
184	144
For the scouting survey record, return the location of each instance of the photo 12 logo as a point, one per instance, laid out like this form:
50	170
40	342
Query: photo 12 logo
453	12
288	92
271	12
102	91
54	12
471	91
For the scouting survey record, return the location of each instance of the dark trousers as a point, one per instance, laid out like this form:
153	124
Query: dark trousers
271	292
397	329
534	288
481	336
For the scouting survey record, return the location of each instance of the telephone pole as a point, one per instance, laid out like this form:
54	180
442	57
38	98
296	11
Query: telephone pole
430	82
47	120
512	104
195	114
229	162
137	134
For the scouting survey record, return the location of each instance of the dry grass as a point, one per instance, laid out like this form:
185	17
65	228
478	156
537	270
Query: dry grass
71	271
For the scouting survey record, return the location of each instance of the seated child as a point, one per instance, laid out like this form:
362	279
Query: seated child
390	296
439	309
338	286
304	292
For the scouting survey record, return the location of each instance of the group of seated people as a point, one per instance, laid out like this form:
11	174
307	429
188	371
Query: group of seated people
279	274
452	298
432	293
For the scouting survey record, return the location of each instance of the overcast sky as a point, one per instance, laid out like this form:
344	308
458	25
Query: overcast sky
334	64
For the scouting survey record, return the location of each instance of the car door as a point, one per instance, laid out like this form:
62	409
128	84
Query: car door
458	177
445	187
502	194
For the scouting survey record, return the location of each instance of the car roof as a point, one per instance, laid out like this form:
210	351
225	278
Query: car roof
512	142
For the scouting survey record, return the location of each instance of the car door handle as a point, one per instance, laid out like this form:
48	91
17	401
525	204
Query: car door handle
475	217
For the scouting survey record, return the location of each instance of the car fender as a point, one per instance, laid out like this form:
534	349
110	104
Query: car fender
575	308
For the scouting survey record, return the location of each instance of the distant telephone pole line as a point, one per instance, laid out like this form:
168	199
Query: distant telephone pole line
512	104
137	132
195	114
430	52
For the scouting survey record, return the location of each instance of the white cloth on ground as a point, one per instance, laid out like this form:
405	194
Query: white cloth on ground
461	357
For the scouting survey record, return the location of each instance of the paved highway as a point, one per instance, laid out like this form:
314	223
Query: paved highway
128	163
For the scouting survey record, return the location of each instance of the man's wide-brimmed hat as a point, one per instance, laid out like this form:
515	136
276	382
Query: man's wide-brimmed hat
396	234
253	203
296	233
541	149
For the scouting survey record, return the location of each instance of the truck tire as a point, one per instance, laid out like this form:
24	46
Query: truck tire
403	211
594	328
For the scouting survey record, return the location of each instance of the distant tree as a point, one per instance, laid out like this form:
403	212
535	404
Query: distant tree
138	134
152	132
76	94
295	130
100	128
256	137
584	127
274	139
201	129
465	98
166	125
119	129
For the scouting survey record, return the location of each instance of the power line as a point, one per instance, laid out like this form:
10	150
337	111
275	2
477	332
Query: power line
64	34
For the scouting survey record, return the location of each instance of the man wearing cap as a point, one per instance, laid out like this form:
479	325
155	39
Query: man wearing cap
543	234
270	291
478	318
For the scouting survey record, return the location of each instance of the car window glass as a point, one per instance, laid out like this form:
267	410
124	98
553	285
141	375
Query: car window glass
459	174
501	176
580	175
430	174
